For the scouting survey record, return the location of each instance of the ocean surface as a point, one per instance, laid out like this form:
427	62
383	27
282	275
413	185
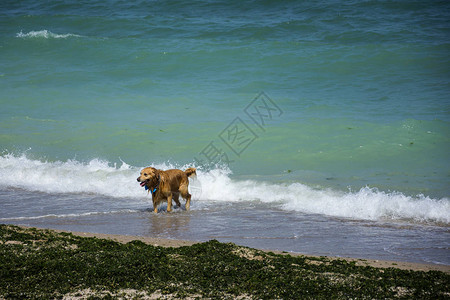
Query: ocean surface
321	128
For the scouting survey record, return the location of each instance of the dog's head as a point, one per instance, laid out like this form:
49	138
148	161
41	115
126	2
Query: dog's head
148	176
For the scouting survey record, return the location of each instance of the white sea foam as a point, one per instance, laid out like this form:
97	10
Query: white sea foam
96	176
103	178
366	203
45	34
68	215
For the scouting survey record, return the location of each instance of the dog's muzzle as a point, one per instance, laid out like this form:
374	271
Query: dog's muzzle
143	183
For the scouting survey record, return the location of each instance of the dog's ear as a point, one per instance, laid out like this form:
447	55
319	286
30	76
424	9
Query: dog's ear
160	176
150	170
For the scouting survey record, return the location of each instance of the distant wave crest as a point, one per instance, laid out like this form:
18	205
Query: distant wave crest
45	34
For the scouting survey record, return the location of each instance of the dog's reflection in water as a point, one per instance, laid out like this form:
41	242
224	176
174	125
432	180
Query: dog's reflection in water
168	225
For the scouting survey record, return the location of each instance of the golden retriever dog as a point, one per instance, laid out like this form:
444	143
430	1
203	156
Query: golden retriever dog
167	185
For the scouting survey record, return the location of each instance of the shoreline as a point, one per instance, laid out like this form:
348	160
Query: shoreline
180	243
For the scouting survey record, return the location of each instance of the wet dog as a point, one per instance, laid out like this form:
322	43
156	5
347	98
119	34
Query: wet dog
167	185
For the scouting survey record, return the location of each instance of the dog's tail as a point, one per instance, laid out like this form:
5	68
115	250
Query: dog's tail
191	172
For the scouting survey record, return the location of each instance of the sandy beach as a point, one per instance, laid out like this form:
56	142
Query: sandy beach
179	243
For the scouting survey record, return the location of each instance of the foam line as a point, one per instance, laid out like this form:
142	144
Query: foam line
103	178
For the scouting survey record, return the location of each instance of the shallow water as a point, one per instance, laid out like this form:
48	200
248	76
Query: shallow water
250	223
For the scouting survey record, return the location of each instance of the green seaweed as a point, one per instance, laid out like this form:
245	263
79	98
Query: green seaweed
40	264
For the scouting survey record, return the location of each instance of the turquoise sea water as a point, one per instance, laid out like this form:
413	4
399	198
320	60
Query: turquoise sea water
356	123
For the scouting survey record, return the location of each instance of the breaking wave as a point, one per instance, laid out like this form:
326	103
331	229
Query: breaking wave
119	180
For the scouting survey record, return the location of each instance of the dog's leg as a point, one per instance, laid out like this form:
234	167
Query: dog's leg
188	201
155	206
176	196
185	194
169	202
